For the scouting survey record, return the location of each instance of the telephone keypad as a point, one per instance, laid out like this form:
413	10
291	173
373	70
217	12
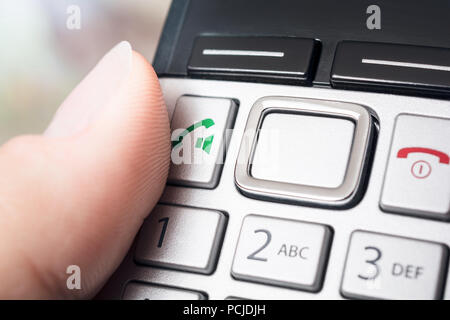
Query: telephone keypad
303	254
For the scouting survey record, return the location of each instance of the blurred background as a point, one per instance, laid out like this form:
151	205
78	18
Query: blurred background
42	58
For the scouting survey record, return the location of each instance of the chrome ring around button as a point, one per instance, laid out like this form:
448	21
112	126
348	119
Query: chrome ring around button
347	193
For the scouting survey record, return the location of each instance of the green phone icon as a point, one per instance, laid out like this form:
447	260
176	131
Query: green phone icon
201	143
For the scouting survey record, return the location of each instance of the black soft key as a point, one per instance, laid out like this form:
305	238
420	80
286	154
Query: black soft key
392	67
269	59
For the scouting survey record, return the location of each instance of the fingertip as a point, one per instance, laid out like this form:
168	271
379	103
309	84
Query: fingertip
83	196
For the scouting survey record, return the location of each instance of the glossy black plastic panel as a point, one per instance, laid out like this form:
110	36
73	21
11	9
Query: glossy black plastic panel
392	67
411	22
268	59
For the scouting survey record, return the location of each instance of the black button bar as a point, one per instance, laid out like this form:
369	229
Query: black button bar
392	67
268	59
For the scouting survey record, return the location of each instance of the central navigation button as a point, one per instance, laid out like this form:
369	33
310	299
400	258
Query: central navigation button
309	150
305	150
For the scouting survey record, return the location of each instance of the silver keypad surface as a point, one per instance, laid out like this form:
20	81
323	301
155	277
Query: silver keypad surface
447	290
282	252
145	291
388	267
181	238
215	234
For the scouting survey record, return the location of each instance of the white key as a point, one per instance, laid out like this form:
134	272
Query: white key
304	150
144	291
181	238
417	179
328	148
282	252
199	127
387	267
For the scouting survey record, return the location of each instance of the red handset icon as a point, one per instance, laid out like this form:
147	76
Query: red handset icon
443	158
422	169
